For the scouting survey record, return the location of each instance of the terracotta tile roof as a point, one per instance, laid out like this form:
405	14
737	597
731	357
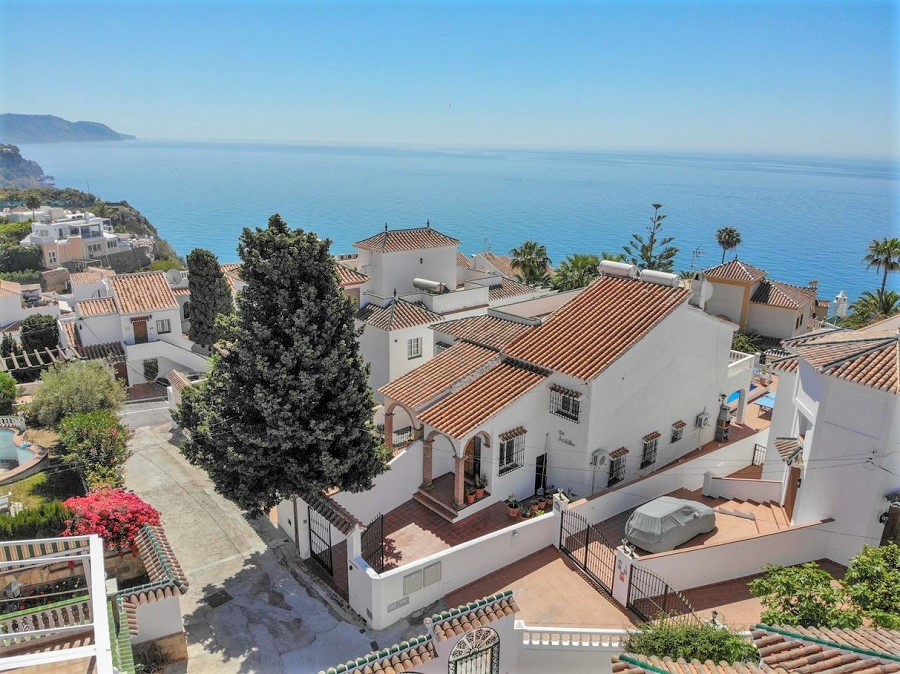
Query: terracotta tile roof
789	364
652	436
111	351
342	519
509	288
812	336
441	373
562	390
466	409
736	270
402	657
9	288
617	453
102	306
70	328
90	275
679	424
181	292
827	651
462	260
512	433
178	380
396	240
466	618
587	335
502	263
232	272
790	450
487	331
643	664
348	276
397	315
869	359
783	295
146	291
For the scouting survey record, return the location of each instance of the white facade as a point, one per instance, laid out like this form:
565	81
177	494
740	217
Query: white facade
390	272
18	302
79	236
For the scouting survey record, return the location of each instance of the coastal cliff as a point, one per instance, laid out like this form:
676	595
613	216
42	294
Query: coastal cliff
20	173
50	129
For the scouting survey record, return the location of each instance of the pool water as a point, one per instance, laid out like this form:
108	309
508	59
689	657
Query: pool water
733	398
10	455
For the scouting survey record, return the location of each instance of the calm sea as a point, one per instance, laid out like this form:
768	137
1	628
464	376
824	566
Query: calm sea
800	218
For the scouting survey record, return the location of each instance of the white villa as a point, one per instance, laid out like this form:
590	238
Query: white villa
19	301
77	236
744	295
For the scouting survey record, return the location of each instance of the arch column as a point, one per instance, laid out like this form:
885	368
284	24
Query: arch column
459	483
389	429
741	406
427	459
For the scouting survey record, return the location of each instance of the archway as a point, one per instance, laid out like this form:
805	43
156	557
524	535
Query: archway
476	651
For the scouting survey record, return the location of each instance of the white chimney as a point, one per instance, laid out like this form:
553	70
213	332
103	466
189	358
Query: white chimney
840	305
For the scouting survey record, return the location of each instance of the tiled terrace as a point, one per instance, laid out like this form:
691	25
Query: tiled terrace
549	591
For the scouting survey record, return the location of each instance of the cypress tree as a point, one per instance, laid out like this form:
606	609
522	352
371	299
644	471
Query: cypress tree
210	296
285	409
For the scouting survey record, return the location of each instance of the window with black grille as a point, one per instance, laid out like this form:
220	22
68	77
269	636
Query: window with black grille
512	454
564	405
616	471
648	457
677	433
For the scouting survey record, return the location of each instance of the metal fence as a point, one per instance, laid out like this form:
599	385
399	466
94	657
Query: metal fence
587	547
652	598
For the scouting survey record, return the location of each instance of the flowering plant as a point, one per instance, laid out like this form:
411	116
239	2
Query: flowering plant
113	514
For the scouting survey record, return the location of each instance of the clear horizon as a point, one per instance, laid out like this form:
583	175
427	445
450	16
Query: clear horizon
794	79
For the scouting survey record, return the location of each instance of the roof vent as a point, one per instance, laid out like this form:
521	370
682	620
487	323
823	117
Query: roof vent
620	269
660	278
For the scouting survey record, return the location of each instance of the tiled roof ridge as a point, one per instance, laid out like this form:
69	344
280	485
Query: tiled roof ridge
668	665
379	242
745	267
801	634
376	657
469	616
883	342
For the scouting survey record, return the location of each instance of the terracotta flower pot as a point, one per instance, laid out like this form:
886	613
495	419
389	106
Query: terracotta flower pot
513	512
470	498
479	494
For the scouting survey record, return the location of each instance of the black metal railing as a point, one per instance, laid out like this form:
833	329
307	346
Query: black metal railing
652	598
759	455
372	543
588	548
403	436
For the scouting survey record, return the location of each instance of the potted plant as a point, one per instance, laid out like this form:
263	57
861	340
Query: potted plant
513	504
538	505
480	484
470	495
525	511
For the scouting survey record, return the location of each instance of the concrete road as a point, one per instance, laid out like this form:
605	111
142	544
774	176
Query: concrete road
274	617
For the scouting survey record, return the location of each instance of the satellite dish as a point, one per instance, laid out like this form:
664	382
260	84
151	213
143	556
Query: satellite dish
174	277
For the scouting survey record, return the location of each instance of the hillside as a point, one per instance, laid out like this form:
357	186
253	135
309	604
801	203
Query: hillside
20	173
49	129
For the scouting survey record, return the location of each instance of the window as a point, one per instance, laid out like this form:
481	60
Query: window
677	431
512	453
51	256
476	652
111	244
163	326
648	458
414	348
94	247
186	310
565	403
616	471
799	320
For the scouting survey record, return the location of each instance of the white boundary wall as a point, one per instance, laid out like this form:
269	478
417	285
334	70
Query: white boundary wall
746	490
705	565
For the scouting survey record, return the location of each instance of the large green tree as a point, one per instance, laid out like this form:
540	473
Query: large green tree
576	271
285	409
873	583
871	307
210	295
74	387
530	260
33	202
803	595
39	332
729	238
655	251
884	255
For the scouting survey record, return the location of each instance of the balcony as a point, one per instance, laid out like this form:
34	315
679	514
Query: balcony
740	363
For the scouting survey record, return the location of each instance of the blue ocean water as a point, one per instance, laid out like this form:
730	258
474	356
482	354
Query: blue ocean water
800	218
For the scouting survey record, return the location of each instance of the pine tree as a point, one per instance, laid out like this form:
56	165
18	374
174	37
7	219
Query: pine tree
654	252
285	409
210	296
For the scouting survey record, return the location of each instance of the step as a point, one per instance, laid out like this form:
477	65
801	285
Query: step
780	516
424	498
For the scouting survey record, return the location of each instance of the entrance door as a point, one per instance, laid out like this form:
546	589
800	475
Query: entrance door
140	332
473	458
891	532
790	499
540	473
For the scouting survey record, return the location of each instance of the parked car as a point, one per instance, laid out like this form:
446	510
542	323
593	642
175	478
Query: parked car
665	523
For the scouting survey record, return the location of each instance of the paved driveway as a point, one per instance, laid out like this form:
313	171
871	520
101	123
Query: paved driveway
273	617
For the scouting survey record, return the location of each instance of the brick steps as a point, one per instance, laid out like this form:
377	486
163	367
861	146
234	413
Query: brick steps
425	498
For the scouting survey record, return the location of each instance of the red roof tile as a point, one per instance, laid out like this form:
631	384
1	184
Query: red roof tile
462	260
783	295
396	240
102	306
643	664
867	359
139	293
463	411
398	315
587	335
618	453
827	651
441	373
348	276
481	613
232	272
488	331
502	263
509	288
90	275
736	270
181	292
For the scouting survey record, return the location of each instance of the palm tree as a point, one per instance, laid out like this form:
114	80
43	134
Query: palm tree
531	262
576	271
884	255
729	238
654	252
32	201
613	257
871	307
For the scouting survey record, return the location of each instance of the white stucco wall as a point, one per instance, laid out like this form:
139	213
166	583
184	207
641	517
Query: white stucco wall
775	321
158	619
782	424
726	300
389	271
391	489
99	329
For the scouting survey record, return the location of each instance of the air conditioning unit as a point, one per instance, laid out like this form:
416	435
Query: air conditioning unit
598	457
702	420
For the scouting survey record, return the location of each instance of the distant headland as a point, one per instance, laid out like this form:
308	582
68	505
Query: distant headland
49	129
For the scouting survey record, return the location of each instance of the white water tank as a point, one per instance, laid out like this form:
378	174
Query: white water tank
431	286
620	269
661	278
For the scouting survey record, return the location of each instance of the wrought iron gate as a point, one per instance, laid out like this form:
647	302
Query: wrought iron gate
651	598
759	455
320	539
587	547
373	544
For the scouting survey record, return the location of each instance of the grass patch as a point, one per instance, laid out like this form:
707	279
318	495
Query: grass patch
45	437
58	483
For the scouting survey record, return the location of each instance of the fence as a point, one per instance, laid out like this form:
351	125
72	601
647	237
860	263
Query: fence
652	598
587	547
16	423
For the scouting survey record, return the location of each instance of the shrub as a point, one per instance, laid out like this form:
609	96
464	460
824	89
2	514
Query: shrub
44	521
691	642
39	332
115	515
803	595
8	391
151	369
70	388
873	583
97	442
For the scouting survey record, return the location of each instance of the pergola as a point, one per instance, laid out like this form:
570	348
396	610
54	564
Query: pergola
30	362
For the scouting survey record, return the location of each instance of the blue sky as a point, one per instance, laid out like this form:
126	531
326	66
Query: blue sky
784	77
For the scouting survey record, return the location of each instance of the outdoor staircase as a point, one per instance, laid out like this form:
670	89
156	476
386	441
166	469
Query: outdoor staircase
428	499
769	516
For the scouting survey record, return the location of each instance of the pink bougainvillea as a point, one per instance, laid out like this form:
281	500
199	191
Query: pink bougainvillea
115	515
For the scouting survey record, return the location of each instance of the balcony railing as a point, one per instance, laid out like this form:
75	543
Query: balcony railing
740	363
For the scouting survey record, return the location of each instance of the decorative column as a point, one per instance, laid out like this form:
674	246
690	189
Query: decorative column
389	429
427	450
459	482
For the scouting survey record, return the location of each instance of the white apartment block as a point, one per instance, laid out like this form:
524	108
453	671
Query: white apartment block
78	236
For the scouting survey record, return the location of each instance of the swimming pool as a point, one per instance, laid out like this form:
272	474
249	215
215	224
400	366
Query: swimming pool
733	398
10	453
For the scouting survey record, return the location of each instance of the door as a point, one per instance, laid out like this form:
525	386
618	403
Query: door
790	499
891	532
473	458
540	473
140	332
